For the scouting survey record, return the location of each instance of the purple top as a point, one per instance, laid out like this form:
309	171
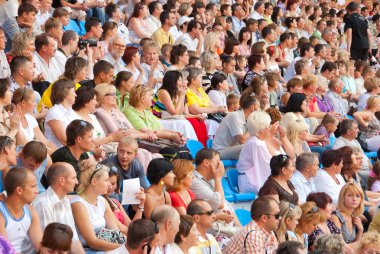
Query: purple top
324	104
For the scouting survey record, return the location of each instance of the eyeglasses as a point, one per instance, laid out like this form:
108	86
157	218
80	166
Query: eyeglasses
276	216
110	94
313	210
208	213
97	168
119	45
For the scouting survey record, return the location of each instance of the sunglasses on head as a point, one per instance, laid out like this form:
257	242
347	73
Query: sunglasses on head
313	210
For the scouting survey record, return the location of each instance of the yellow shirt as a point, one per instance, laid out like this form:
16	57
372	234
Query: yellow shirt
192	98
46	97
161	37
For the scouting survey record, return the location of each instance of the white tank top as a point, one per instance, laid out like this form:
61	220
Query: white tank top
95	215
17	229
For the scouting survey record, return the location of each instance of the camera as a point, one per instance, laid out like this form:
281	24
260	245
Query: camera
82	43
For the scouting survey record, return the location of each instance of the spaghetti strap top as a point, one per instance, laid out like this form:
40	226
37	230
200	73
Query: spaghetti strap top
347	236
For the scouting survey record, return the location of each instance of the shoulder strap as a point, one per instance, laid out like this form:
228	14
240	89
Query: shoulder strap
245	240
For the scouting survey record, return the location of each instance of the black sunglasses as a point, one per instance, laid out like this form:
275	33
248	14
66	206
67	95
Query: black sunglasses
208	213
313	210
276	216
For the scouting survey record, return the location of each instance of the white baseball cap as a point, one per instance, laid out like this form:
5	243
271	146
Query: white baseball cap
183	20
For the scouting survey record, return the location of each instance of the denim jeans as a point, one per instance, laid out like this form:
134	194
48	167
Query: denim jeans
97	13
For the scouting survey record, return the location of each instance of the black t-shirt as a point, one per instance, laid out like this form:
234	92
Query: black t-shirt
359	26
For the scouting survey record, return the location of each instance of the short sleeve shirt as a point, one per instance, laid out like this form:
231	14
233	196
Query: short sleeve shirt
142	120
359	26
192	98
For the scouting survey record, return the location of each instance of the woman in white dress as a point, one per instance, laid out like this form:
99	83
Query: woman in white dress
61	114
137	25
25	99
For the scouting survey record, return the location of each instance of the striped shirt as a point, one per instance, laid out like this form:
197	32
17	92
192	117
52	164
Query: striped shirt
257	241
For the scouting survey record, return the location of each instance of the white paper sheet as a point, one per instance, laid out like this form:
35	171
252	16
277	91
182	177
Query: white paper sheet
130	188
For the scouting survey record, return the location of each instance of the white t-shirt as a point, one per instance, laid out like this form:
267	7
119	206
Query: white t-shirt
29	130
218	98
325	183
121	250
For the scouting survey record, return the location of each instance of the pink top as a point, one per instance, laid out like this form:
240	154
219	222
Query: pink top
177	201
118	213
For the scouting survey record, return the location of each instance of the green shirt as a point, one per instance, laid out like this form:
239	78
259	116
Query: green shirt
122	102
142	120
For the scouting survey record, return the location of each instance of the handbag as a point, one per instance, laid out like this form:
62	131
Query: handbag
221	227
218	117
111	235
156	146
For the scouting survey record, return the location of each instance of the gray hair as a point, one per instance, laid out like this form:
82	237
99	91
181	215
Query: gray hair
162	213
305	159
193	73
258	121
206	59
332	243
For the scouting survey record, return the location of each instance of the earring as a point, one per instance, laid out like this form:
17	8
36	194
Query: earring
162	182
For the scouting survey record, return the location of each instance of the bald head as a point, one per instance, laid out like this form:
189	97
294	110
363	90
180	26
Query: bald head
162	213
57	170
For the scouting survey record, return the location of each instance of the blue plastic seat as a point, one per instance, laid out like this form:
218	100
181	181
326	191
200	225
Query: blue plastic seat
332	139
350	117
209	143
73	26
228	193
229	163
232	178
244	216
372	156
194	146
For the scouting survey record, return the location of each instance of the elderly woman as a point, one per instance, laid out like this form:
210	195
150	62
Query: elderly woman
153	69
10	123
142	118
350	207
278	186
209	60
91	211
180	193
323	102
179	57
169	105
199	102
369	124
370	243
22	45
61	114
253	164
326	226
159	174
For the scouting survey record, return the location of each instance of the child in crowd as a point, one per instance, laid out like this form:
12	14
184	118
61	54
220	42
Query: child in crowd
241	64
328	126
233	102
62	15
374	178
290	215
273	85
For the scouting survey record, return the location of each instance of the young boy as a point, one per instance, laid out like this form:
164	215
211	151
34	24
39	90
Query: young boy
233	102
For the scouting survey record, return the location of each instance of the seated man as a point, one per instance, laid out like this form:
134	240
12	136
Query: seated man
125	161
79	143
203	216
257	236
33	156
103	73
21	226
116	49
53	205
339	104
232	132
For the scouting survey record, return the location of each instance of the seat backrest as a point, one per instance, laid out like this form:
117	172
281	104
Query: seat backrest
209	143
228	194
194	146
244	216
232	176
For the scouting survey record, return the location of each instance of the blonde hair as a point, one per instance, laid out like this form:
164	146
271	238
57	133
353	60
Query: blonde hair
310	214
136	93
343	55
369	239
210	41
181	169
373	102
294	128
206	59
350	187
308	80
20	43
258	121
89	169
102	89
287	211
22	94
371	83
151	44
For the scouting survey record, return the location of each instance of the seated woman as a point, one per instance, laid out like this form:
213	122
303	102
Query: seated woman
169	105
61	114
24	98
75	70
290	214
199	102
209	61
123	83
132	60
137	25
259	87
142	118
180	193
10	123
218	90
91	211
310	218
350	207
153	69
186	237
159	174
256	67
294	85
253	164
326	226
297	133
116	207
278	184
369	124
179	57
